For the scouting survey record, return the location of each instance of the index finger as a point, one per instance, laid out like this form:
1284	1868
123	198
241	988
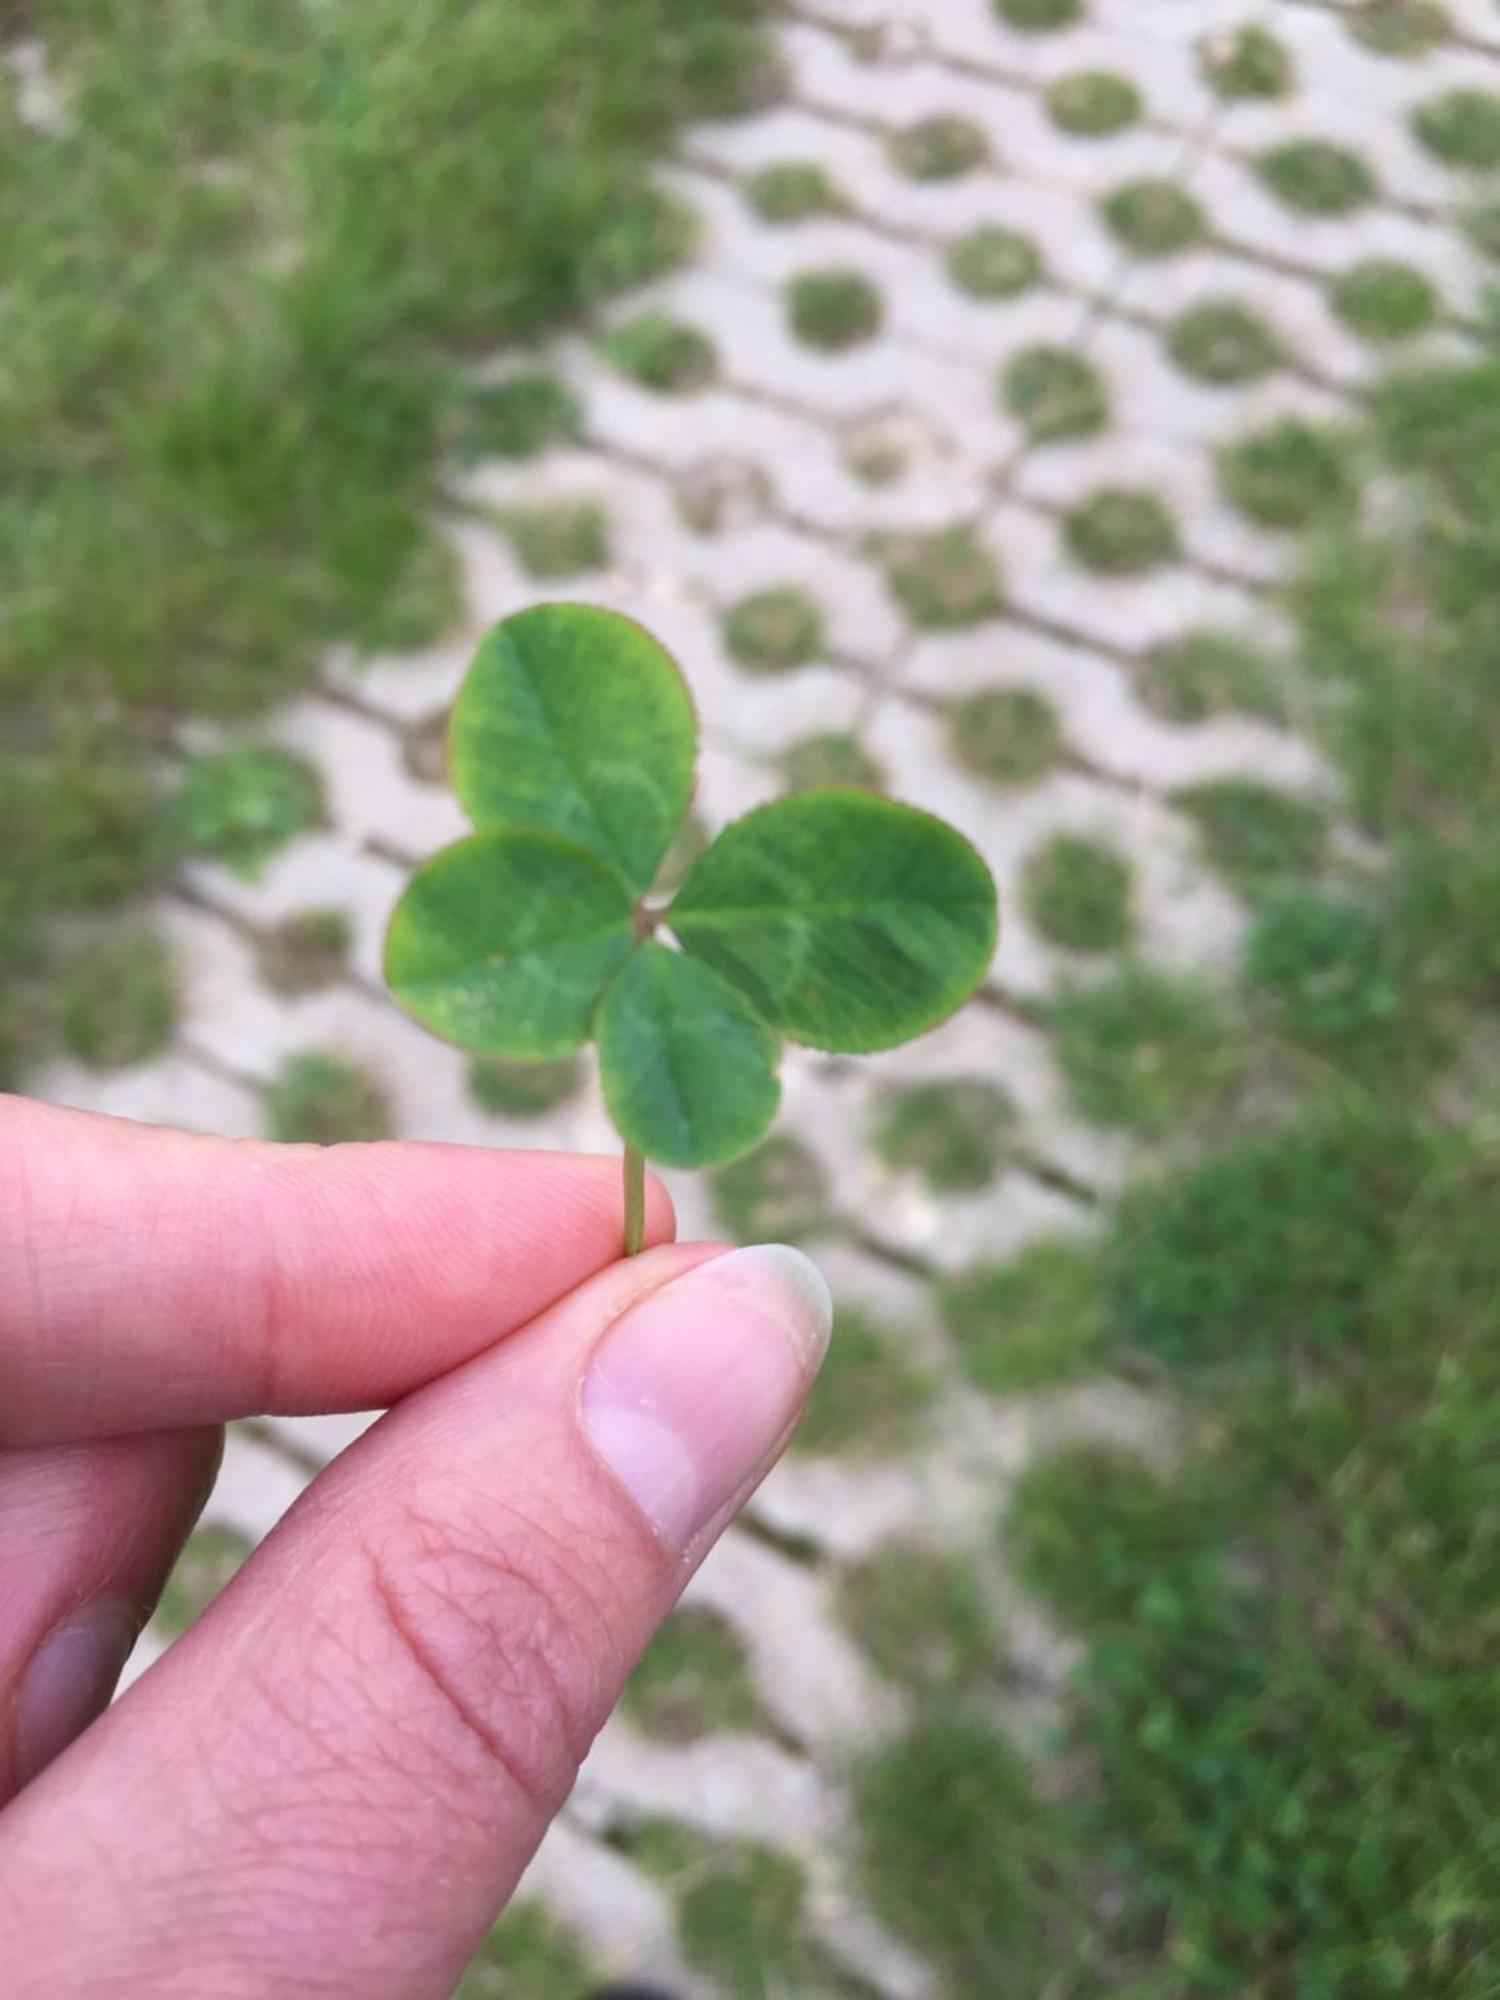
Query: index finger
150	1279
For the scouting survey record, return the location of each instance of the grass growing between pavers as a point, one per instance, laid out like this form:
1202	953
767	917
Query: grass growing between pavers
242	287
1281	1758
693	1679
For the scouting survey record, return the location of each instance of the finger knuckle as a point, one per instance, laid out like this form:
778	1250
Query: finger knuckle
503	1624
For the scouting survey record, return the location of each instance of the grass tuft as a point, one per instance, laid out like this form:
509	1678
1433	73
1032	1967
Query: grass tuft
1384	300
1315	177
1247	62
1148	1052
1461	128
994	263
1256	836
523	1089
871	1400
1078	893
1010	736
1122	531
954	1132
1094	103
1153	218
662	353
1207	673
244	805
318	1099
939	149
693	1680
1400	27
834	309
1293	474
1054	394
1222	342
118	1000
1032	1323
919	1614
777	1194
559	538
832	758
791	191
775	630
945	579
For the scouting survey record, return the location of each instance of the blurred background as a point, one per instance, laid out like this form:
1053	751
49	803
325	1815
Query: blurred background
1078	417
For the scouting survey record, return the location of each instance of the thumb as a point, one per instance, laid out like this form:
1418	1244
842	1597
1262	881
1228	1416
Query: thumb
339	1773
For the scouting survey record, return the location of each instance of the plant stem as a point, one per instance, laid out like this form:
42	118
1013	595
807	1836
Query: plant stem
635	1201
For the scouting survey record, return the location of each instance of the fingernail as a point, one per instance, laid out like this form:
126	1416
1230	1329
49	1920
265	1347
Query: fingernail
69	1681
692	1389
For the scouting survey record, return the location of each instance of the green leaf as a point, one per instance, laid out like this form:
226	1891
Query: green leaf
689	1072
504	942
848	921
576	720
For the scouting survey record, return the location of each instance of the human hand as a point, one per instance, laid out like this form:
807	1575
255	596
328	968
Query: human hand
334	1779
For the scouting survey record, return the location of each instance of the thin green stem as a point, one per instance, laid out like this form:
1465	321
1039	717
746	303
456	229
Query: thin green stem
635	1201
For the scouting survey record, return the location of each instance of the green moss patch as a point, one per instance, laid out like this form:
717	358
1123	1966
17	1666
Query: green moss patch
1223	342
775	630
1147	1052
693	1680
1079	893
994	263
834	309
945	579
1011	736
1122	531
1153	218
1054	393
318	1099
1093	103
1032	1323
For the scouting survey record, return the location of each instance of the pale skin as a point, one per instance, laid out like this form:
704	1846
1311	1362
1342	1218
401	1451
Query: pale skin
332	1783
